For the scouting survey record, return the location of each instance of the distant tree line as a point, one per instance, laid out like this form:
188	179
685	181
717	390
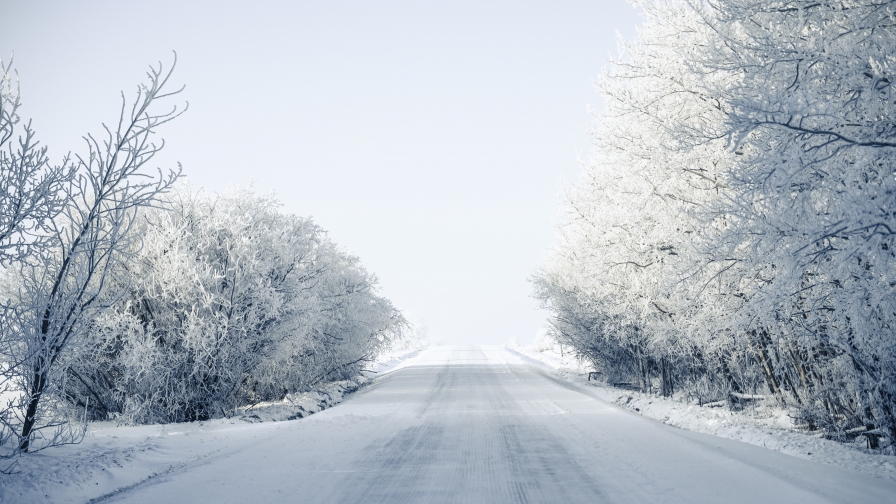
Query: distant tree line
124	295
732	237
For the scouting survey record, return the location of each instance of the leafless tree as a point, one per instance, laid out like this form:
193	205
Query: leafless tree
32	191
66	282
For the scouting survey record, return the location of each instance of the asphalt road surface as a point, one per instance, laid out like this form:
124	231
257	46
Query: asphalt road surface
470	424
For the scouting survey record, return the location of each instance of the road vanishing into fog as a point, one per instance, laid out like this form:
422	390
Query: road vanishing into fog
480	425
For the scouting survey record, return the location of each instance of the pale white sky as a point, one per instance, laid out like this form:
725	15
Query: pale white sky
431	139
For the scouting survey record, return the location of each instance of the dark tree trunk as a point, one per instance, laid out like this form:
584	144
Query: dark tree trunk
38	385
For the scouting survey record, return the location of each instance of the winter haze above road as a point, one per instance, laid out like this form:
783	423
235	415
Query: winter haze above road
431	139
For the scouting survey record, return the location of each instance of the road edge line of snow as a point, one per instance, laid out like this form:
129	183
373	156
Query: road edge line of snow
788	442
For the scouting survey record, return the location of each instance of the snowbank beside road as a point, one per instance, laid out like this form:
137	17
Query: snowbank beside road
112	458
761	426
300	405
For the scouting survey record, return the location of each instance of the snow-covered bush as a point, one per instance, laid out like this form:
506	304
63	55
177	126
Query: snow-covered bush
228	302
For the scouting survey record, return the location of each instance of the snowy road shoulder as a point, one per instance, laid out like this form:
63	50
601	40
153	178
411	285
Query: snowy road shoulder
427	411
769	428
112	458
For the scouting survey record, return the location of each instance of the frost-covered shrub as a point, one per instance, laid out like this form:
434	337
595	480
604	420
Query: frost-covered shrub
228	302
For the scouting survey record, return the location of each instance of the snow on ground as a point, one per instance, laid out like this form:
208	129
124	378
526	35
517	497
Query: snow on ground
307	403
761	426
113	458
476	424
116	463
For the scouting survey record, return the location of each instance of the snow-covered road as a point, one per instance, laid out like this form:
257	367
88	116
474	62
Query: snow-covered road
470	424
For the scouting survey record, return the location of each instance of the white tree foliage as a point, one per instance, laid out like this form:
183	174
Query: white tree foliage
733	234
121	303
229	302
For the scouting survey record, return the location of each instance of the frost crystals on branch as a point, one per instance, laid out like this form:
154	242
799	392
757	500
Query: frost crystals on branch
65	282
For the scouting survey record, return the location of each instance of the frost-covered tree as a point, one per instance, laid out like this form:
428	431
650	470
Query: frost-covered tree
626	253
63	285
32	191
228	302
735	225
812	112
